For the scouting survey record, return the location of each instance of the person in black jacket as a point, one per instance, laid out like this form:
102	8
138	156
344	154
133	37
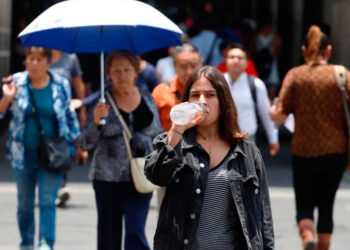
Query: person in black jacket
216	188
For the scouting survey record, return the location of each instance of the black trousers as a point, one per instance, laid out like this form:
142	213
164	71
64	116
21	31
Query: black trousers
115	200
316	181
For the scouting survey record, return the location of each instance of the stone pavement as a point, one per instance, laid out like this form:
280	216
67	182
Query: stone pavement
76	224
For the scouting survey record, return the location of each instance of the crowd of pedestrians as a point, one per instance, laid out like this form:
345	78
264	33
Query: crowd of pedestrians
213	187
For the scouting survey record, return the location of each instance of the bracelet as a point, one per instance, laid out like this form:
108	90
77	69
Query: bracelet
176	132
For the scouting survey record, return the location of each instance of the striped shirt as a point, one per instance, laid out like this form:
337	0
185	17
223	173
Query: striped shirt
217	221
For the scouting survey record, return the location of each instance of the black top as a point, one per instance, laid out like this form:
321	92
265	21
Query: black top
140	118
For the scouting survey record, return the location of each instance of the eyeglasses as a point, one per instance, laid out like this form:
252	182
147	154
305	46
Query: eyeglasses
240	58
185	66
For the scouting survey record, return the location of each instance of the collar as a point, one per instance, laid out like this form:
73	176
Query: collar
231	82
26	80
176	85
189	141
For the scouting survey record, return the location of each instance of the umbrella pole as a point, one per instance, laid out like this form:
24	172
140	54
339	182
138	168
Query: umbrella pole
102	78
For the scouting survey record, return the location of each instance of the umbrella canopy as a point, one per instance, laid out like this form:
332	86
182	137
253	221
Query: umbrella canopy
92	26
98	26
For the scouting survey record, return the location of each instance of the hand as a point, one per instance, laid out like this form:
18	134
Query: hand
9	88
81	156
274	148
76	103
276	116
100	111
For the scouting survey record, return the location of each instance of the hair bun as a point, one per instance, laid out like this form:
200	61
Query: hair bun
313	37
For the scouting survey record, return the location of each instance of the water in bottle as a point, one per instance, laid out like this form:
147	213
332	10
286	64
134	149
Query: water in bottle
183	113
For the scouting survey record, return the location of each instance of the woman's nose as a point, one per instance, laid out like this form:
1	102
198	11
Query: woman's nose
202	99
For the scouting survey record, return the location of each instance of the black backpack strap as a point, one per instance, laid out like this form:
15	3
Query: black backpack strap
252	88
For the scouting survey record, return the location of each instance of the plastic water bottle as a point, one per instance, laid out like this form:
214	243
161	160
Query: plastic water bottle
183	113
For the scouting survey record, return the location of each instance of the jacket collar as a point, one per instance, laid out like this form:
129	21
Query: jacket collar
53	77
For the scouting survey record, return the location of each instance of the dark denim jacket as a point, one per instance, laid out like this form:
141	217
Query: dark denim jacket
184	171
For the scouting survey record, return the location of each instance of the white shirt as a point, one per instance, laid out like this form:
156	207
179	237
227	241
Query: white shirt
244	102
165	66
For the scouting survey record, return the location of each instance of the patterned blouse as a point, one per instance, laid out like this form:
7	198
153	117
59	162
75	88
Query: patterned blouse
110	160
68	125
312	94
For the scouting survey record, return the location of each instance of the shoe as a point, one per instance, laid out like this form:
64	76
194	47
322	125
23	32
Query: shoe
310	245
44	245
62	198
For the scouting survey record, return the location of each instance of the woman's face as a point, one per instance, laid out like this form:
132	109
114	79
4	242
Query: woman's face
36	64
203	91
122	73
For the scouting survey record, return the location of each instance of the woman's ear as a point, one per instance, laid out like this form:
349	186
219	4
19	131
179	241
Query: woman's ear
328	51
303	51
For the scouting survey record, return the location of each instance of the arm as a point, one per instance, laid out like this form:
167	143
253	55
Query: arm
79	89
277	116
263	104
265	205
164	162
284	105
9	90
91	131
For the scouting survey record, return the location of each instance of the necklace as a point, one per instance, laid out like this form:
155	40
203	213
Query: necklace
206	137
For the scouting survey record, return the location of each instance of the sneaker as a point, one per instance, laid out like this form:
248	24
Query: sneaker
310	245
62	198
44	245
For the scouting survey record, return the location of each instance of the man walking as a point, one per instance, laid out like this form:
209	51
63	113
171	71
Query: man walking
186	60
250	96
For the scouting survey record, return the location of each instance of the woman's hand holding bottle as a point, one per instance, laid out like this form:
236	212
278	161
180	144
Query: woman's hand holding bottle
184	116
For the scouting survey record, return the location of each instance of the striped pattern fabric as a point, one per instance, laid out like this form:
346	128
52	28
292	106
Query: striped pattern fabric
216	223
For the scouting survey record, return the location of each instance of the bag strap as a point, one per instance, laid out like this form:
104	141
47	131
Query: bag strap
34	110
340	74
126	132
252	88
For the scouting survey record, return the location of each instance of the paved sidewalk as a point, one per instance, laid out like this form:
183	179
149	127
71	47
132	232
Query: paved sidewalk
76	224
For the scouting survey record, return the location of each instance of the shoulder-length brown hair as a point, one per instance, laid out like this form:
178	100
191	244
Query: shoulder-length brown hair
228	123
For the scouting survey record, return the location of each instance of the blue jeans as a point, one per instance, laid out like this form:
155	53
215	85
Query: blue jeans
48	184
115	200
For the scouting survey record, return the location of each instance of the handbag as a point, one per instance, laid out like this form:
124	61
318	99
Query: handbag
137	164
340	73
53	152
